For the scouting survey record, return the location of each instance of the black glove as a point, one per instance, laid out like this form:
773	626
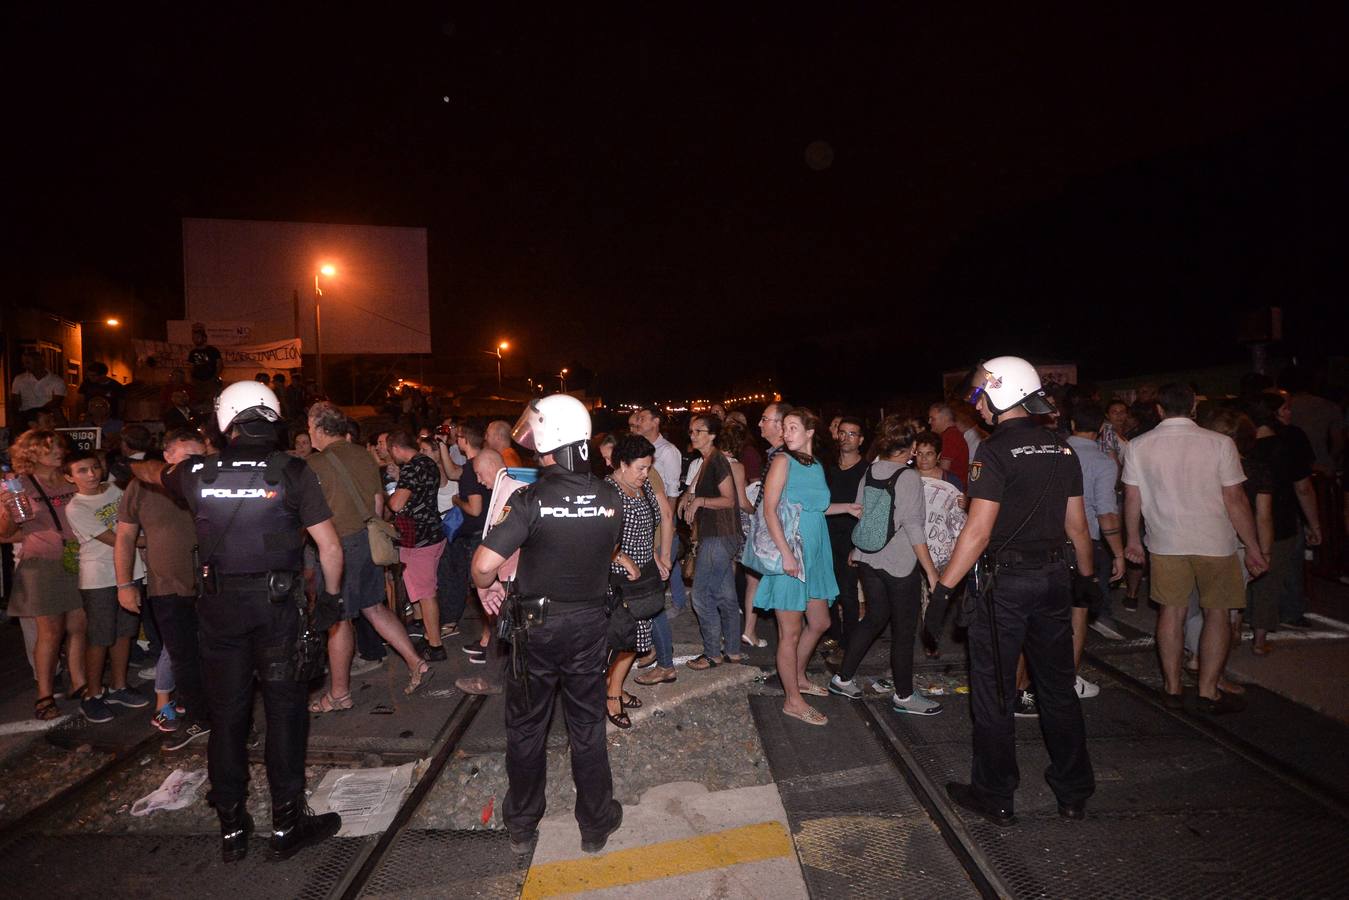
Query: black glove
327	611
936	609
1085	590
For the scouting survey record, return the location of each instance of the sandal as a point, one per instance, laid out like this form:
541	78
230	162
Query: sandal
811	689
328	703
44	710
811	716
621	719
699	663
419	678
75	693
753	642
733	660
629	701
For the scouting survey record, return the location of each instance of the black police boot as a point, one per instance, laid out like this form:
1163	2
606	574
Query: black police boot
235	827
294	827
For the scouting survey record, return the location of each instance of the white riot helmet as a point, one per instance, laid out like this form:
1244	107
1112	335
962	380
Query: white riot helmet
1008	381
246	397
555	423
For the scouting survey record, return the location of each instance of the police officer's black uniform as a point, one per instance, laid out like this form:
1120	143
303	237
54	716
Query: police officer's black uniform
566	526
250	504
1031	612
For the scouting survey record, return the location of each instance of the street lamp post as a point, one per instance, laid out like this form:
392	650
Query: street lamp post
496	351
562	376
329	271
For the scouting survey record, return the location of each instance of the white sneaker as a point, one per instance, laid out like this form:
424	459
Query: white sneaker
1085	689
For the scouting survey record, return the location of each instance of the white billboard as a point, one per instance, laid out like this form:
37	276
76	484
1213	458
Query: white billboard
376	300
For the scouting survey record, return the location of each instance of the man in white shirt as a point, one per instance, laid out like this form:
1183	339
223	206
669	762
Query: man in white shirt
646	422
36	389
1186	482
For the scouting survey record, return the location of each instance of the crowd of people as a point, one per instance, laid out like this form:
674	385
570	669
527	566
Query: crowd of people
838	532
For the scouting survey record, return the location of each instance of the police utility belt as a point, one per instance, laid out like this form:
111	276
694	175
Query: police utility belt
279	585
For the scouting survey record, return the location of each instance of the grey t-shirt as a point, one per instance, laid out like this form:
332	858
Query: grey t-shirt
897	557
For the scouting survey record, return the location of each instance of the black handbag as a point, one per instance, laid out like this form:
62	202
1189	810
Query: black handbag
643	598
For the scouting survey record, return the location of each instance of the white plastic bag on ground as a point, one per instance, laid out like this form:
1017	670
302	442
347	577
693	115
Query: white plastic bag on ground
177	791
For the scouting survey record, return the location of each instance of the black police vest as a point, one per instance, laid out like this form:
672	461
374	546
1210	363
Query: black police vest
243	522
567	554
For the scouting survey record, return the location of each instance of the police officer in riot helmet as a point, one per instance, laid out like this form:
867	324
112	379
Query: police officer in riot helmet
567	527
252	504
1025	490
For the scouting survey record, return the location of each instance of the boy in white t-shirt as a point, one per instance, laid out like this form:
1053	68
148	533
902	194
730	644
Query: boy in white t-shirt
92	514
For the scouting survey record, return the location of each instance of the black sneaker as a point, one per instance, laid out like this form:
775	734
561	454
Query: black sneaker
1131	604
434	654
1025	705
128	697
95	710
474	649
191	731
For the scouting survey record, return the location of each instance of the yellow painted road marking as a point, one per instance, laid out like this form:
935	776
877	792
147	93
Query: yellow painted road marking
766	840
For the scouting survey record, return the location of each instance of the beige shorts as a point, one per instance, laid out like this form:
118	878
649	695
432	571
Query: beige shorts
1218	579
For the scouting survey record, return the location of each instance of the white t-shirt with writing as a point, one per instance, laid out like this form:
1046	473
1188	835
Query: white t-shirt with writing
90	515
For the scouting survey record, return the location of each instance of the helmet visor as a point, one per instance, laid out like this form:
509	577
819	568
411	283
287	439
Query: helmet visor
523	432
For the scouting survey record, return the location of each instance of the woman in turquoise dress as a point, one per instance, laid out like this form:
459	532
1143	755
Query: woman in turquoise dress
801	604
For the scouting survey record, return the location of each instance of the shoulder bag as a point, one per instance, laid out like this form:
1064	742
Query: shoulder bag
380	533
70	548
761	552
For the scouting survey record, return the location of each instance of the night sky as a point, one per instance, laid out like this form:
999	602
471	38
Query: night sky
848	197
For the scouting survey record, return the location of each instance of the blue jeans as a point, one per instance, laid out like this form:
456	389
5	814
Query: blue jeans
662	637
714	598
677	595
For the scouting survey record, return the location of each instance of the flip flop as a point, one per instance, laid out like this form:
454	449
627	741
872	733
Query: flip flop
812	689
811	716
753	642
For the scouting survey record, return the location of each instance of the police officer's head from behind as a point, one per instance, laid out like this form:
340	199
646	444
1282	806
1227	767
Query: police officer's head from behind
248	412
558	429
1008	387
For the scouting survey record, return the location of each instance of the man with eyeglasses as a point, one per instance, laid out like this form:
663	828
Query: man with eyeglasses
843	477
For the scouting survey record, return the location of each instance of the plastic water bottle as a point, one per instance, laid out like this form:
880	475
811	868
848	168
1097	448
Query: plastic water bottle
20	507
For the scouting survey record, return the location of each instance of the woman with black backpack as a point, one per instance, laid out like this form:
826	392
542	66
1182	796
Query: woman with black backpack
891	548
